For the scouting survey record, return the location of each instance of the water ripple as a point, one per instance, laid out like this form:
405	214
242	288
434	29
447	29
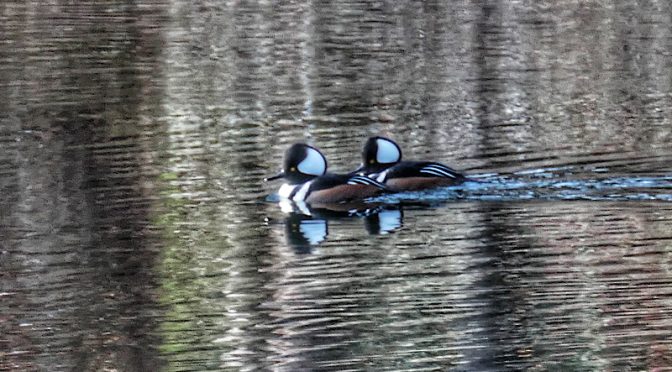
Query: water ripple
506	188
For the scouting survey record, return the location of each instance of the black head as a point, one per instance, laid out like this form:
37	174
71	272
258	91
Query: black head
379	153
301	164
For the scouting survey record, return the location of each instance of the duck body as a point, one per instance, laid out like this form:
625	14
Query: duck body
417	175
307	181
381	160
333	188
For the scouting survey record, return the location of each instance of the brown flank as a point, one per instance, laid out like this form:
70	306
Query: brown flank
343	193
418	183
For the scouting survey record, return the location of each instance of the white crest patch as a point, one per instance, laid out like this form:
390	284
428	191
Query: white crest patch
314	164
387	152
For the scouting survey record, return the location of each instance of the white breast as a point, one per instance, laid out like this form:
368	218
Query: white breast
286	190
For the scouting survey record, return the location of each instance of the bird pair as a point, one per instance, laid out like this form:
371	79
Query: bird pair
382	171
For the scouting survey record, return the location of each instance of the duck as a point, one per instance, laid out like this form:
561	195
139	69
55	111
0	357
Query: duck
381	160
307	181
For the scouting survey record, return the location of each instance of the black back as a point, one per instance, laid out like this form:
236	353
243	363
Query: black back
422	169
330	180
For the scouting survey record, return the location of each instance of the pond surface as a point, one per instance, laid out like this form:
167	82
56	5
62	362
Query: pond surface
137	233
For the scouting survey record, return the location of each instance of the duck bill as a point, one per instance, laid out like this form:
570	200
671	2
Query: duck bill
277	176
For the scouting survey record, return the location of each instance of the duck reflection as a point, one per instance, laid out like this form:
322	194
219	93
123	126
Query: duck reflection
307	225
303	232
384	221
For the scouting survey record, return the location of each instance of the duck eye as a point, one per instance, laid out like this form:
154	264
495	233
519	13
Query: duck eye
372	161
292	169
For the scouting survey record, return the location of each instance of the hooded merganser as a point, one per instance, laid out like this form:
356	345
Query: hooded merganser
382	161
305	170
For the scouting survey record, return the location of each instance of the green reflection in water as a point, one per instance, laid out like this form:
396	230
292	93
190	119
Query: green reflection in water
183	287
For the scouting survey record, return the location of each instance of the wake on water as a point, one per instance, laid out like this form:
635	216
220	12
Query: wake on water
543	185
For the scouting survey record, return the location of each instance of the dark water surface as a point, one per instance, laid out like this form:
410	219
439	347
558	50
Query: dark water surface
137	235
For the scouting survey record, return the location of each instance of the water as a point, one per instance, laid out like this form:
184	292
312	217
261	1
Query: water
137	233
